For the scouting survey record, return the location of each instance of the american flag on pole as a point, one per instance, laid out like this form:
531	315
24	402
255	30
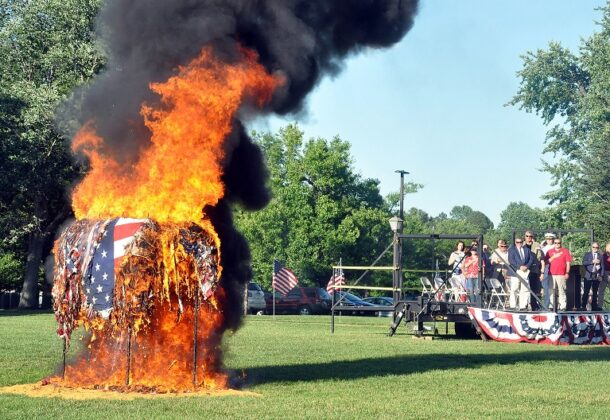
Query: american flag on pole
336	281
106	257
284	280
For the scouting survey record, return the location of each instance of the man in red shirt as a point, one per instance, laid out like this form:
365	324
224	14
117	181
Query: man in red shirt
559	260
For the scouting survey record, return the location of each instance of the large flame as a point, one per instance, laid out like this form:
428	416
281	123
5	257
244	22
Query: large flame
155	346
180	173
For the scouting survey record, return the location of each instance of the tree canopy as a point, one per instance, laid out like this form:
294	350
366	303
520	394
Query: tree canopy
322	209
46	50
570	92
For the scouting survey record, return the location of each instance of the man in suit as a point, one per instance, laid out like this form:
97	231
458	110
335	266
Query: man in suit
534	277
604	283
520	259
595	272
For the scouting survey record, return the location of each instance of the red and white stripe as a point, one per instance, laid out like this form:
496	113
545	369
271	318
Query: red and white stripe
124	231
335	282
284	281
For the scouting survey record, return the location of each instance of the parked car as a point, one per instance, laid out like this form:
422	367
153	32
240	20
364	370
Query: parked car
350	299
300	300
256	298
382	301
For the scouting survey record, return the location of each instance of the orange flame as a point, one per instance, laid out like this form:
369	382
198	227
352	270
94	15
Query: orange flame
180	173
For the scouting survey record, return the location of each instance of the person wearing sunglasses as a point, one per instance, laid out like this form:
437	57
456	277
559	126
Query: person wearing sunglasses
498	263
595	271
520	260
559	260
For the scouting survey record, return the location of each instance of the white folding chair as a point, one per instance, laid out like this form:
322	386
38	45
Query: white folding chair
427	287
499	293
457	289
440	287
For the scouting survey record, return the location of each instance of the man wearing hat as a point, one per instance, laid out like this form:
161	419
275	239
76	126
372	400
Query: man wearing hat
547	281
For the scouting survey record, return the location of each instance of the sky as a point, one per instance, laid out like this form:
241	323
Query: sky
434	104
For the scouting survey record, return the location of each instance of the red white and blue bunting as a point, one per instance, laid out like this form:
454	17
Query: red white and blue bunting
544	328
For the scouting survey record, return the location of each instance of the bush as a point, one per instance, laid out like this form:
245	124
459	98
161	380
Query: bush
11	272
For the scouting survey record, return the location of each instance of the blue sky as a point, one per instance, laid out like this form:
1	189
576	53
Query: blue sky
434	104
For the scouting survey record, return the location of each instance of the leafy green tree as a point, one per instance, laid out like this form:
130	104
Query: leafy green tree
570	93
322	210
474	218
47	48
519	215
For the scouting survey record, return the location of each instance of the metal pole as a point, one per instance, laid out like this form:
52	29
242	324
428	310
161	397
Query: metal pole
396	271
63	372
481	275
128	356
402	192
398	241
332	306
195	341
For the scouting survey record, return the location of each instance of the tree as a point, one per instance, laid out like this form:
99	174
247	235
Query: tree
570	93
474	218
321	210
46	50
522	216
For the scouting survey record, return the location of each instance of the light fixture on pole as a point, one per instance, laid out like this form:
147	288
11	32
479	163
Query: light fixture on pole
396	224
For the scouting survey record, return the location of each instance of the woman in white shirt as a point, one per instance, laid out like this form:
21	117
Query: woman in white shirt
456	258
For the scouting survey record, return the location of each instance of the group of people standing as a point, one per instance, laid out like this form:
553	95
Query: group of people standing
534	272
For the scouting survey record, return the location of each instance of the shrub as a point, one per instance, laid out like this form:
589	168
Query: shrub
11	272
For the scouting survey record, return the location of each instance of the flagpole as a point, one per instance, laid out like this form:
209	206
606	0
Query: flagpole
332	303
273	285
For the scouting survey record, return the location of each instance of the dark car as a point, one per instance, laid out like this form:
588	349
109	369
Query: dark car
382	301
346	299
300	300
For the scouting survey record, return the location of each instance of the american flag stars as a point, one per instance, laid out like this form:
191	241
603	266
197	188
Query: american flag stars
106	256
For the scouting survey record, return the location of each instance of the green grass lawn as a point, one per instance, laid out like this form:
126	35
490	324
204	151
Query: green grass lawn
300	370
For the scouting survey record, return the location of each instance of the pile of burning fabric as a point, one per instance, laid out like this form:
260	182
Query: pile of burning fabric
141	289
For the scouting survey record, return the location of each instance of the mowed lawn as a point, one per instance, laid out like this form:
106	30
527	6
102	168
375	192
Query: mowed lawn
300	370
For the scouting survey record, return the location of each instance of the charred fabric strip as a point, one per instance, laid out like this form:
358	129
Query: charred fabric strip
117	272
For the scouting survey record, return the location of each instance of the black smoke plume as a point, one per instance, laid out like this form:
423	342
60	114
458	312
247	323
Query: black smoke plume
302	40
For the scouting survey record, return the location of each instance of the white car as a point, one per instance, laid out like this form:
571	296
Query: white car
256	298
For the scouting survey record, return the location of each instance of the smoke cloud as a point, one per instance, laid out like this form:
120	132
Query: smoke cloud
301	40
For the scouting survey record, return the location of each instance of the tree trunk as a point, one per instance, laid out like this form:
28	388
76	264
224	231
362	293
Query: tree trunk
29	293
